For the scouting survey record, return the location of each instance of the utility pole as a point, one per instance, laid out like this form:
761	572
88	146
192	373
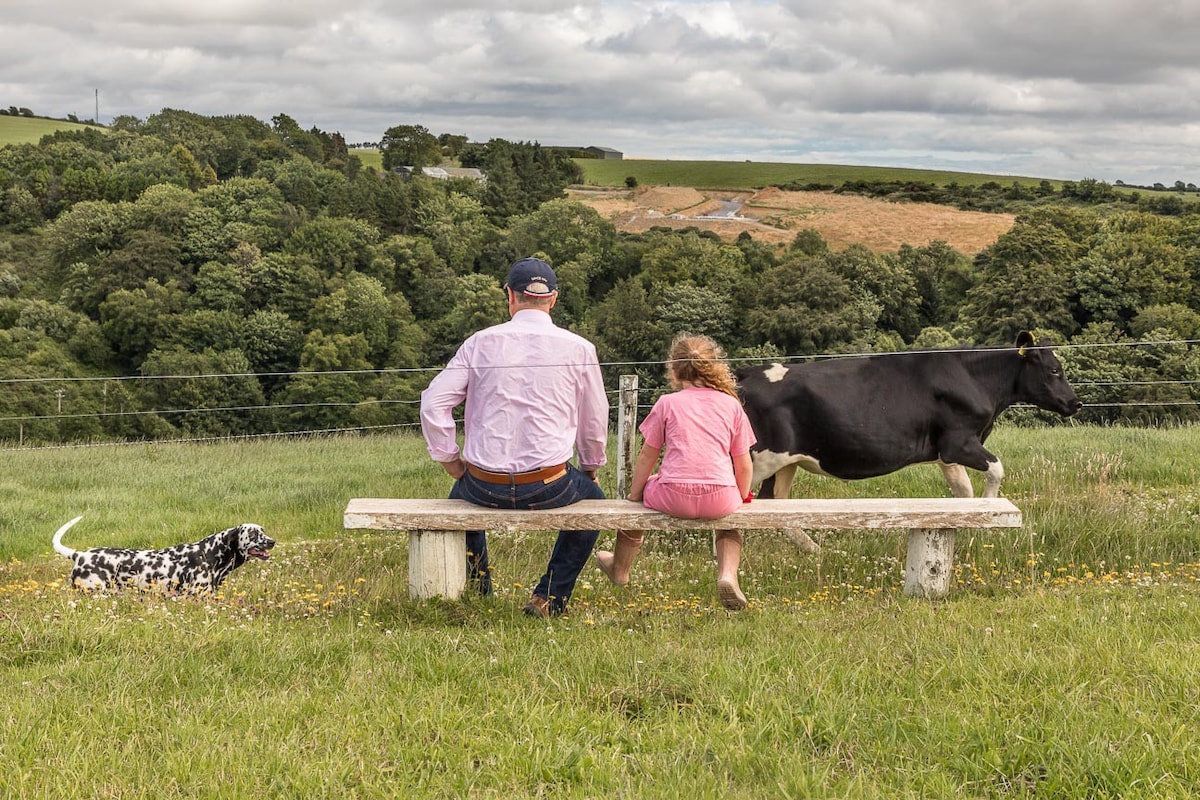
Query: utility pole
96	119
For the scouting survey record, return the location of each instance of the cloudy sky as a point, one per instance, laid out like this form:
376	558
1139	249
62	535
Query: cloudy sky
1106	89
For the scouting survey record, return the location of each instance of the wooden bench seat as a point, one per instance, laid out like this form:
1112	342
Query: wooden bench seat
437	547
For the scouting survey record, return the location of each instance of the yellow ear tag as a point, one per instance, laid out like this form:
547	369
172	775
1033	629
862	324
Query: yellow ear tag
1021	352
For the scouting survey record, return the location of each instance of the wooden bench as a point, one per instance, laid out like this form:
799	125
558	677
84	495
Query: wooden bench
437	546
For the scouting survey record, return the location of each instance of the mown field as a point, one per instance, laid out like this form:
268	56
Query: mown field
1064	664
28	130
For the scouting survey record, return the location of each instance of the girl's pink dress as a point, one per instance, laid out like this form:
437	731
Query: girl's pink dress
700	430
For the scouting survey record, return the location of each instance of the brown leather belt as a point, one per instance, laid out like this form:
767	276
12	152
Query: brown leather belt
545	475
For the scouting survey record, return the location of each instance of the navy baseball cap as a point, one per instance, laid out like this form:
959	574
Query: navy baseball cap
533	277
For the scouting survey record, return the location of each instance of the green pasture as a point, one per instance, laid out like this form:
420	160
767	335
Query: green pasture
1064	664
755	174
370	156
29	130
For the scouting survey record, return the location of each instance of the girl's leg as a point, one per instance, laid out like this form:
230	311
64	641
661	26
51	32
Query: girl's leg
729	555
616	564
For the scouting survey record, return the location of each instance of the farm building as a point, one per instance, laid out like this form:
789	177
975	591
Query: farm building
606	153
443	173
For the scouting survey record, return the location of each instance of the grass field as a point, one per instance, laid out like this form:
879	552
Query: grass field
371	157
28	130
1064	664
755	175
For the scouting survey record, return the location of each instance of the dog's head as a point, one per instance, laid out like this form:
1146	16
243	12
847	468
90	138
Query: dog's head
252	541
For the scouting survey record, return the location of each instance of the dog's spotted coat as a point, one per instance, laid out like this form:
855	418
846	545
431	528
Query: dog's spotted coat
194	567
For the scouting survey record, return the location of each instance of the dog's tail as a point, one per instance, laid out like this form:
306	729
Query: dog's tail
61	548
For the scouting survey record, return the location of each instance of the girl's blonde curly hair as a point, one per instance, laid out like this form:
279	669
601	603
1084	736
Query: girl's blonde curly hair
700	360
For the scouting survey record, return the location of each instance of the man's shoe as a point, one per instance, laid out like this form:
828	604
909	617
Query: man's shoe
537	606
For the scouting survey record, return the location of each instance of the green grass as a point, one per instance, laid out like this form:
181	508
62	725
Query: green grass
754	175
371	157
28	130
1062	665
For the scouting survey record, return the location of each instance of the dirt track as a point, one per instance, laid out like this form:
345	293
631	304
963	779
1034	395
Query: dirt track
773	215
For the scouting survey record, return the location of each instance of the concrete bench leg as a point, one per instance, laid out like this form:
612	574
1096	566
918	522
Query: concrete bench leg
437	564
930	563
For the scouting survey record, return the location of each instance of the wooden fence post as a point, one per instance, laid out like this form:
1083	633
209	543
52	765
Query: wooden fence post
627	402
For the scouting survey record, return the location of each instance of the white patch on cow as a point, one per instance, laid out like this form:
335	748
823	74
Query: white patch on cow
767	463
956	476
992	478
775	373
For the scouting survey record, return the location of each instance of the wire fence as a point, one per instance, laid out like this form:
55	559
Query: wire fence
49	400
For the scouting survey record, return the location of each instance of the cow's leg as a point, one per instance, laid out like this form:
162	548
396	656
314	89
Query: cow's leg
782	482
767	487
969	452
956	476
783	479
992	478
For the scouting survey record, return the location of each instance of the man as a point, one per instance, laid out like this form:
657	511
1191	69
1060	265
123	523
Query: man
534	395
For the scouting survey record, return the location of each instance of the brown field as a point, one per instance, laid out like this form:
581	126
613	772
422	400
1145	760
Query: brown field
775	216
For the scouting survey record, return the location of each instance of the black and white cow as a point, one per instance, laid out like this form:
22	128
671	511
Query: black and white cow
853	418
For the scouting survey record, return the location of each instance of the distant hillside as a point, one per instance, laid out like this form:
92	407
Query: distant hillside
28	130
756	175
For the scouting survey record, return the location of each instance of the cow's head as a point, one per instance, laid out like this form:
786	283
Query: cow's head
1041	381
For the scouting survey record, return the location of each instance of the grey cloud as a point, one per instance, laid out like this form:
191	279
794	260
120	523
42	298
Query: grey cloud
1064	88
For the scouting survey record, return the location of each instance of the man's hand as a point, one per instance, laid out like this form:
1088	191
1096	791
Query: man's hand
456	468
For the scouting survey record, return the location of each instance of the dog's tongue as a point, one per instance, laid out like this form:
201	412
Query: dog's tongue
263	554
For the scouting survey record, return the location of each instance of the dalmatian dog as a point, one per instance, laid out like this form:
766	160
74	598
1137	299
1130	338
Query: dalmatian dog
196	567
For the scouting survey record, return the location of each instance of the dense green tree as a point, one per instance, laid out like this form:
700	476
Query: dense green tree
688	308
285	283
476	303
804	307
19	209
809	242
164	208
307	144
690	256
331	382
1132	264
626	326
458	229
272	342
85	231
888	281
134	321
1184	321
197	330
56	409
1024	282
942	277
335	245
520	175
220	398
359	306
409	146
564	230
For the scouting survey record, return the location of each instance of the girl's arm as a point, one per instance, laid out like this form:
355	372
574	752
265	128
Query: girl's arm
743	471
647	460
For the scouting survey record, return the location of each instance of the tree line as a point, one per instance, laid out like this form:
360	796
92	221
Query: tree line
184	245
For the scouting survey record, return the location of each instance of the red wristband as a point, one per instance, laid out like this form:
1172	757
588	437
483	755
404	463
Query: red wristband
749	496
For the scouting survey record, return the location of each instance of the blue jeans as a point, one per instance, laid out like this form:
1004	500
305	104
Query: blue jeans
572	548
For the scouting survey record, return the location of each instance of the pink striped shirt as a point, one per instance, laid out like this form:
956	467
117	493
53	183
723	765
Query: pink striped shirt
534	395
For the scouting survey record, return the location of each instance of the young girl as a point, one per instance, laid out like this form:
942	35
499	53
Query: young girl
706	468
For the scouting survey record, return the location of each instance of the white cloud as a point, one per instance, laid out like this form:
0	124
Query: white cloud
1056	88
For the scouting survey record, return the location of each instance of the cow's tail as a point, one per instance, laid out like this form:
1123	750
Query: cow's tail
61	548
